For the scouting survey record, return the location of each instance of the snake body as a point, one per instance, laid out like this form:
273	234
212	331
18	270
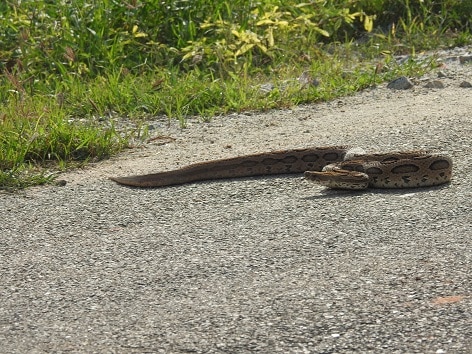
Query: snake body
334	166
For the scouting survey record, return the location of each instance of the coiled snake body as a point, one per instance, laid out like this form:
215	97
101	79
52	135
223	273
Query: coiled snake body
336	167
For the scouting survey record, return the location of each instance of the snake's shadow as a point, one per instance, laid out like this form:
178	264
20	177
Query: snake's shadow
339	193
325	193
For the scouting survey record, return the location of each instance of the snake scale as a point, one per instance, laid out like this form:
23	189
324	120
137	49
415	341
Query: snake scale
338	167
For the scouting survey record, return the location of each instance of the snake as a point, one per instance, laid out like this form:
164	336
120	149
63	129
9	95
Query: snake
335	167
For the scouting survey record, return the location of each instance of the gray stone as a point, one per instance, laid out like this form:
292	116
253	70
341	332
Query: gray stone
402	83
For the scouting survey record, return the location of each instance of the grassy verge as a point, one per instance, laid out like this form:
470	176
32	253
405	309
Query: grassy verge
72	71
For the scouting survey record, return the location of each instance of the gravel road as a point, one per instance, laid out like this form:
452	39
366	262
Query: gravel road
267	265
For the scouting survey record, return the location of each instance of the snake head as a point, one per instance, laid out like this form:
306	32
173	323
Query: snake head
339	179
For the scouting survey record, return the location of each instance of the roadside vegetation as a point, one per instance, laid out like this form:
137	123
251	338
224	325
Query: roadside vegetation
79	78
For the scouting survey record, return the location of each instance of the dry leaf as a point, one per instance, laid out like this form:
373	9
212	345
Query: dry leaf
447	299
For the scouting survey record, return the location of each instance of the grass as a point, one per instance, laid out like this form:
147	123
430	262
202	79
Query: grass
79	78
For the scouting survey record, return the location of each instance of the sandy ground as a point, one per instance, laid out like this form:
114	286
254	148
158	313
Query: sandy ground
270	264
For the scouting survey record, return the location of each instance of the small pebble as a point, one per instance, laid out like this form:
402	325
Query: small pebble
434	84
465	59
441	74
